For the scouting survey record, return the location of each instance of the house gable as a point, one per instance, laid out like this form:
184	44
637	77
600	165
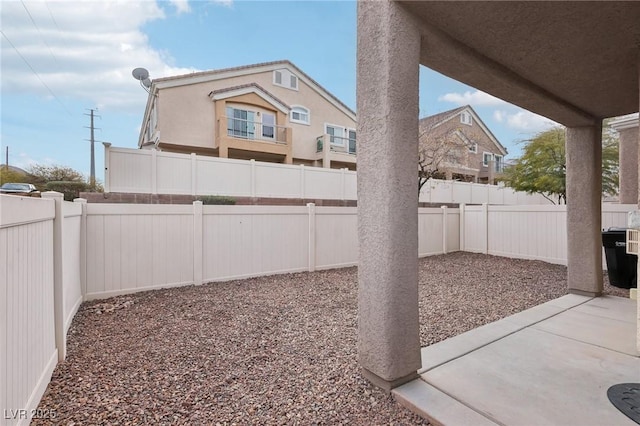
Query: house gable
206	76
434	121
251	94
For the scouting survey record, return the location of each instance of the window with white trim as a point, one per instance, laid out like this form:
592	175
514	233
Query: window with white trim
241	123
486	158
268	125
299	114
342	138
465	118
351	135
285	78
336	134
499	163
473	147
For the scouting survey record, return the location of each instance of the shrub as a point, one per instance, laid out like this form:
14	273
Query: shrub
70	189
216	200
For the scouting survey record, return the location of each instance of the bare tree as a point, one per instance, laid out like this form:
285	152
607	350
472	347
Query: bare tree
436	151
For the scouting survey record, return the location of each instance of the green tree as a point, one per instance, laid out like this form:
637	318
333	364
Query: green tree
42	174
7	176
542	168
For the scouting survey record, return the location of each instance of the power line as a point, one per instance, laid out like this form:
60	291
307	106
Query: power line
39	32
56	23
36	74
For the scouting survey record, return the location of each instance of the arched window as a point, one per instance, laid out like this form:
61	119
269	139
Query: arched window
299	114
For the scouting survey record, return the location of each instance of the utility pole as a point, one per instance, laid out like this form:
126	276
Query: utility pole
92	176
6	162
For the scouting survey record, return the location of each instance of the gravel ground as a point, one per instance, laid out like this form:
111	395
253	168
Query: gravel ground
269	350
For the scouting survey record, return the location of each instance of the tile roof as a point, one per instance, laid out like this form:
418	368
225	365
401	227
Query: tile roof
432	120
259	65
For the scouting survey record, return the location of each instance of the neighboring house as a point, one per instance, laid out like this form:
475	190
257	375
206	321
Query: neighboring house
270	112
459	146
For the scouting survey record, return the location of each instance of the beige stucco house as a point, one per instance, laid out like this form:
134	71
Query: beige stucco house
461	146
627	128
268	112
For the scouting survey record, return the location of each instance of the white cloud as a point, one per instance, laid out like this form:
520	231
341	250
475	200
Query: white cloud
523	120
25	162
90	50
226	3
182	6
476	98
513	117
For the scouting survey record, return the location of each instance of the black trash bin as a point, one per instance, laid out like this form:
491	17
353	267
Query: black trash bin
621	267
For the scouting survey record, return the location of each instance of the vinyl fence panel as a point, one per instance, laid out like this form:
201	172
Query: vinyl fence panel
28	351
138	247
71	259
246	241
158	172
336	237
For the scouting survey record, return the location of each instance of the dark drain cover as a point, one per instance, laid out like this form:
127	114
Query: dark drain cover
626	398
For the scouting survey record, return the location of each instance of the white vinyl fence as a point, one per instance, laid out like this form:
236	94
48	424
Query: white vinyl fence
156	172
55	254
134	247
40	293
527	232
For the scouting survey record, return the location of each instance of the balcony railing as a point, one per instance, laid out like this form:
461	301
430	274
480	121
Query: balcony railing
337	144
255	130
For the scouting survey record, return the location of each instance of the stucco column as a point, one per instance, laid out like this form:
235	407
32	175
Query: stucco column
387	100
628	163
584	194
638	269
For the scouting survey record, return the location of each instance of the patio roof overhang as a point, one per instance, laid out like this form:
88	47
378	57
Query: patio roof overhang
572	62
568	61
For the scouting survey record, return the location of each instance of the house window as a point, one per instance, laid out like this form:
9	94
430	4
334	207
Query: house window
473	147
285	78
465	118
352	141
268	125
336	134
499	163
240	123
300	115
486	158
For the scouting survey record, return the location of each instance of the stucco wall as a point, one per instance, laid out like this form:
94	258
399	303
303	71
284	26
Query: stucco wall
475	133
186	114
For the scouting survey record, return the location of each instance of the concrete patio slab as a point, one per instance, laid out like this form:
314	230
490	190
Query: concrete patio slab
555	370
443	410
450	349
568	301
593	329
447	350
608	307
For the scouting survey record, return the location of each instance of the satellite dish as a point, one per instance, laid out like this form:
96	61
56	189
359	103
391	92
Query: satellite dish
146	82
140	74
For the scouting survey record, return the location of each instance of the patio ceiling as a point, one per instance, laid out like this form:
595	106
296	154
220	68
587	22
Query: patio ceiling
568	61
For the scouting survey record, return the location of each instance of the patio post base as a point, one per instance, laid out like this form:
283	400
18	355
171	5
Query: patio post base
388	385
585	293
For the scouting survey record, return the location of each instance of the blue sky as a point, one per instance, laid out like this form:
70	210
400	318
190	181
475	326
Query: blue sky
60	58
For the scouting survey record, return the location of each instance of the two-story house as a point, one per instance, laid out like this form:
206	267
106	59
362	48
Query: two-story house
270	112
460	146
